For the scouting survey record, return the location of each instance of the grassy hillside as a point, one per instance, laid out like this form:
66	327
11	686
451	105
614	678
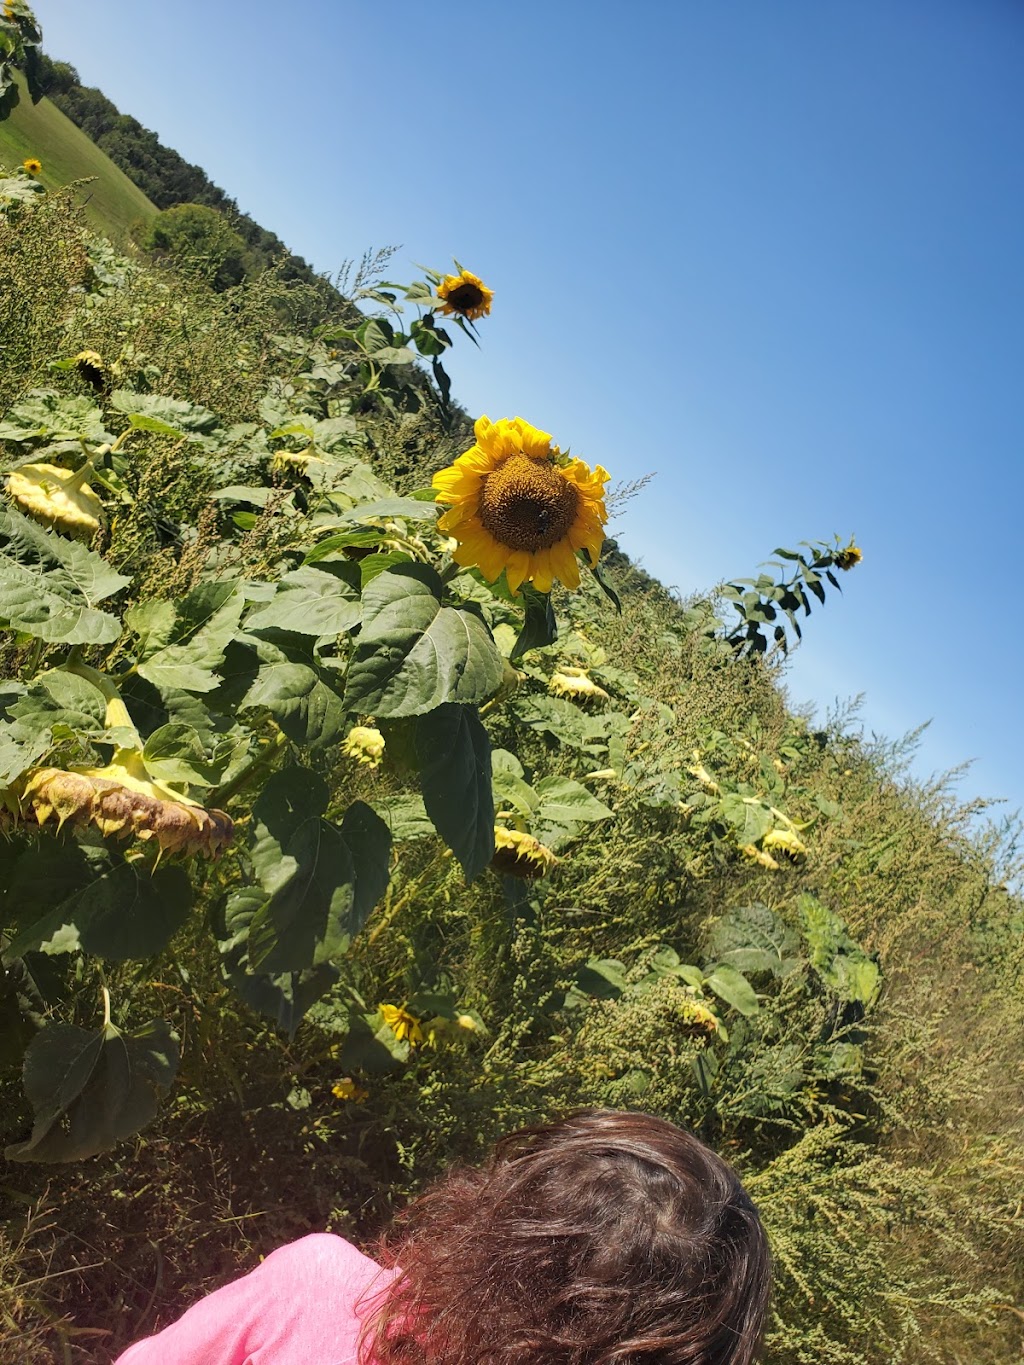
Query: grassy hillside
759	930
112	203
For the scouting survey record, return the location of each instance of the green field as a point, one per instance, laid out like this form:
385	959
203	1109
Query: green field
112	203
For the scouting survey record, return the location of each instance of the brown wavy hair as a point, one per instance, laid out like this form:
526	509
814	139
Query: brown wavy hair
606	1238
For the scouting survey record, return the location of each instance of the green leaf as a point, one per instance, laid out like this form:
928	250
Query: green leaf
606	587
45	415
455	777
539	626
206	621
321	887
413	653
750	818
754	939
509	784
568	723
285	998
406	817
166	416
412	509
602	978
562	801
90	1091
312	601
125	913
307	710
49	585
734	988
175	753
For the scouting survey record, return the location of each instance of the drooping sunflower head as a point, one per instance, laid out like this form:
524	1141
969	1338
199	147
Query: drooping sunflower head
849	557
33	165
121	803
518	505
56	497
90	366
517	854
576	684
785	841
465	295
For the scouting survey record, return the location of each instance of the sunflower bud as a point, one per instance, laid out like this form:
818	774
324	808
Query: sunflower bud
521	855
364	744
121	804
57	497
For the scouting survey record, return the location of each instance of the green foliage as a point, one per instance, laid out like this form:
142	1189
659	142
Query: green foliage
196	238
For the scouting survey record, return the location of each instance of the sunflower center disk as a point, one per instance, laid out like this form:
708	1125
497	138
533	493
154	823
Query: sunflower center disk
465	297
527	504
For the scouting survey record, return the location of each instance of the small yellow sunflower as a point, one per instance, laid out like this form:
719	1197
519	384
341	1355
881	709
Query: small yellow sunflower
465	294
348	1089
521	855
402	1024
516	506
576	684
365	744
33	165
846	559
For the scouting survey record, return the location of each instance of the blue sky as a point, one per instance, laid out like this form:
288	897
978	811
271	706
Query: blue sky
769	252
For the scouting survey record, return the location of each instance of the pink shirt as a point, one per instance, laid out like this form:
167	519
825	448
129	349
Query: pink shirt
302	1306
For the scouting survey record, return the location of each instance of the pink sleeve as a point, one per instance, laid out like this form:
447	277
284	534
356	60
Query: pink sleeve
296	1308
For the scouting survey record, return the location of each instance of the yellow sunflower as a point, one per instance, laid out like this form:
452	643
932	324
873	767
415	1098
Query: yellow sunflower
402	1024
465	294
846	559
517	507
32	165
364	744
517	854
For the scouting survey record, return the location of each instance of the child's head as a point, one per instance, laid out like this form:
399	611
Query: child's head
604	1239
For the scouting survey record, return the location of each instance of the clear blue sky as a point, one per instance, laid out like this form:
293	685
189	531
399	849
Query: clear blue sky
771	252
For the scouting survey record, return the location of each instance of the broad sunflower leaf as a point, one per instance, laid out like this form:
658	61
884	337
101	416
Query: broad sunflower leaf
165	416
413	653
90	1091
750	818
307	710
454	753
46	415
754	938
567	722
412	509
49	585
734	988
175	752
312	601
206	621
406	817
285	998
510	785
125	913
539	625
563	801
321	880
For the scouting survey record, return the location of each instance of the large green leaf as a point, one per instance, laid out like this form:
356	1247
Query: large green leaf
49	586
45	415
167	416
312	601
454	754
321	880
206	621
734	988
750	817
565	802
285	998
125	913
754	938
413	653
307	710
90	1091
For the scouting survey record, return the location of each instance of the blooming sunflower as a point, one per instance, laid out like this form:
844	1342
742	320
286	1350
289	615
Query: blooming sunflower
402	1024
521	855
348	1089
516	506
465	294
33	165
846	559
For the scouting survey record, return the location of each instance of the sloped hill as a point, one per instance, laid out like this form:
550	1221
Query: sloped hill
112	202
